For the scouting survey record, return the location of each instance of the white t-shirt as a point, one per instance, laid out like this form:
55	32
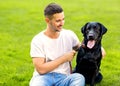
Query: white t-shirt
51	49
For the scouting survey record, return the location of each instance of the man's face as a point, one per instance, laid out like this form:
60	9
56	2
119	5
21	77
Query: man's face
57	22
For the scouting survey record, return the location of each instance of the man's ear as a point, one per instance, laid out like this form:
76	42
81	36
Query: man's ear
47	20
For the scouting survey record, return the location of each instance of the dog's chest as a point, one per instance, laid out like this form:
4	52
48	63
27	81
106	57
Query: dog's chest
92	55
88	59
89	55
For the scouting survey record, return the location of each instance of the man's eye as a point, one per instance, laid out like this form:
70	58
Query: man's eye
57	20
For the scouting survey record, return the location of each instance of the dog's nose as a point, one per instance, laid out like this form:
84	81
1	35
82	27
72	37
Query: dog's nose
91	36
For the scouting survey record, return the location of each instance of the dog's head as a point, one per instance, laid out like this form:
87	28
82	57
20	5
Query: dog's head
93	32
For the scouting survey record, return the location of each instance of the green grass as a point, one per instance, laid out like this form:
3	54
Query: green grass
20	20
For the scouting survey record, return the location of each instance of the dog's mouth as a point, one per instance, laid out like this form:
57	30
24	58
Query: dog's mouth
90	44
91	40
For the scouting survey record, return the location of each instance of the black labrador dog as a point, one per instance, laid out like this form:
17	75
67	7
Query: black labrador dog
89	54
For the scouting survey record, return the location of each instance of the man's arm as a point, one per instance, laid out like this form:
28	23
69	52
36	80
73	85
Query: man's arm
44	67
76	48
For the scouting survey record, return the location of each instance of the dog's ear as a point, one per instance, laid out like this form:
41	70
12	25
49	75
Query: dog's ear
83	28
103	28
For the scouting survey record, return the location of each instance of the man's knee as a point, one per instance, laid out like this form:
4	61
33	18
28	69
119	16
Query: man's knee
78	76
78	79
39	81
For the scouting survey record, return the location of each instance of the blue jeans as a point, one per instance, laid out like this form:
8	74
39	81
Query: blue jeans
58	79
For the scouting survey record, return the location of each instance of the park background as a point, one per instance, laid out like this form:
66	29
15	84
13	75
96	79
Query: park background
20	20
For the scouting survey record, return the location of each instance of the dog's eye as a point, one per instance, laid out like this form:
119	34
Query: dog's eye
94	27
88	28
87	31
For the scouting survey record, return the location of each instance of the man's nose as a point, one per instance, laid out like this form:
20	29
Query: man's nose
62	23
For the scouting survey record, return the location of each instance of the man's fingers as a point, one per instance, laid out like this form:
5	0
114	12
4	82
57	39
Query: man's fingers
74	52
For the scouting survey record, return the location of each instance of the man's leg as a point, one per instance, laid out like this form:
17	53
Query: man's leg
42	80
74	79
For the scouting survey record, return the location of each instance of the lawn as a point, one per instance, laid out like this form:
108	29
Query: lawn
20	20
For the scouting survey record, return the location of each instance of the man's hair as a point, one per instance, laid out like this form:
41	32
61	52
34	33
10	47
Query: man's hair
51	9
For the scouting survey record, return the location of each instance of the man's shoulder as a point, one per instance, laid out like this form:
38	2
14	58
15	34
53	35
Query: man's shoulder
67	31
38	36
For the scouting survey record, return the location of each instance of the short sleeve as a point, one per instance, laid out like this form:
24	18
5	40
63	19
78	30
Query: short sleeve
36	49
75	39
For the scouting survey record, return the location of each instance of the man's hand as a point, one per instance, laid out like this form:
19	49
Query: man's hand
70	55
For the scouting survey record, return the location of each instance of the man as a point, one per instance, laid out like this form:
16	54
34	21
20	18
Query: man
52	50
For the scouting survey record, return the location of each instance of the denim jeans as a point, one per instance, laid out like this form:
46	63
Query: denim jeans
58	79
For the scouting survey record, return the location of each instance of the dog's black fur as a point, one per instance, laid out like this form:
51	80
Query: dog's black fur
89	58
